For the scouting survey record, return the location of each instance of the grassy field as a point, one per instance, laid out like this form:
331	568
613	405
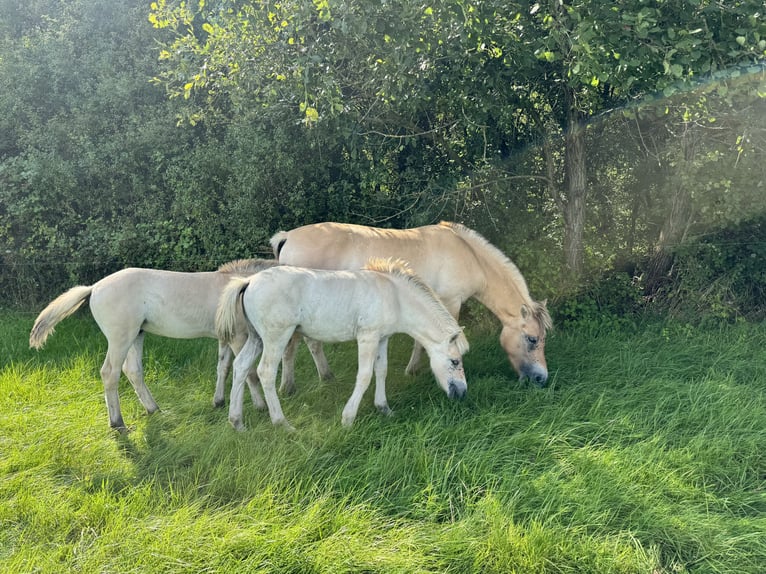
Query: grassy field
646	454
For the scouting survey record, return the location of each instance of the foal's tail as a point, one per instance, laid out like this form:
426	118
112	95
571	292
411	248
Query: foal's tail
229	305
57	310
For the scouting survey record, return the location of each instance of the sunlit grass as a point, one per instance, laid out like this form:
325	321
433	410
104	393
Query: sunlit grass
645	454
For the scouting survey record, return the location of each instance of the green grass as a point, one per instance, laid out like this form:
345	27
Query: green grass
646	454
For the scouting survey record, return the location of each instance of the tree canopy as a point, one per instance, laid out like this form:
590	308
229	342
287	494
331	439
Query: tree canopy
572	134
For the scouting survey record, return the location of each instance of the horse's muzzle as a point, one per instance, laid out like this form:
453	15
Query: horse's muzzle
457	389
535	373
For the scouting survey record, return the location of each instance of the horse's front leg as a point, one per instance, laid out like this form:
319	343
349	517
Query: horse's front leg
225	357
368	347
381	370
242	365
417	352
133	368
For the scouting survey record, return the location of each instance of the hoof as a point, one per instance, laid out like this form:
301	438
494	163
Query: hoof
123	430
238	425
119	426
285	426
385	410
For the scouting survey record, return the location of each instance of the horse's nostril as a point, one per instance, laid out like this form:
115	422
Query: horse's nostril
456	391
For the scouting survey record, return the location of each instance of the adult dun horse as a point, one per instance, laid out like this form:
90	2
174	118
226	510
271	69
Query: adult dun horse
454	260
368	305
134	301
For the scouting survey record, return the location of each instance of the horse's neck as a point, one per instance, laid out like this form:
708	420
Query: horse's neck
504	289
422	322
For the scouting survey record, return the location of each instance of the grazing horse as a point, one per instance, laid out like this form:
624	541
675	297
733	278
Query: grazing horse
130	302
454	260
368	305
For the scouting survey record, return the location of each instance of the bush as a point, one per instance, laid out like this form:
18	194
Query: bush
614	300
721	276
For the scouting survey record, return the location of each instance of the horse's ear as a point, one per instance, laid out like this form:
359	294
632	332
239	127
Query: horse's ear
457	334
524	312
544	303
461	342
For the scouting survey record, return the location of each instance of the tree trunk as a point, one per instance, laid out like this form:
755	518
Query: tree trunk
680	214
575	183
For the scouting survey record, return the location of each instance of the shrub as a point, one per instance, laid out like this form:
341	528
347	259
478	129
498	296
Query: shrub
614	300
720	276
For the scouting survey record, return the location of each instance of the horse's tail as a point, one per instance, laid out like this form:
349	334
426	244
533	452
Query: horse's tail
278	241
57	310
227	316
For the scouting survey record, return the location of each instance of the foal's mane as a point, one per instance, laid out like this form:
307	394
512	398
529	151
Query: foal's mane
247	266
494	255
400	268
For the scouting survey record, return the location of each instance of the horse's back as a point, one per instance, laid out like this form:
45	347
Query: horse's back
437	254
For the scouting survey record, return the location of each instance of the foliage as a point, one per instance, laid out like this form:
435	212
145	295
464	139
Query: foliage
464	82
382	113
720	276
82	162
645	455
613	301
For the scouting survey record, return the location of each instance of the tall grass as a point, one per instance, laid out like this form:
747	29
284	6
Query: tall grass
644	455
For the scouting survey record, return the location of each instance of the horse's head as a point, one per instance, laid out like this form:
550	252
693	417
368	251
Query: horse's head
447	364
523	338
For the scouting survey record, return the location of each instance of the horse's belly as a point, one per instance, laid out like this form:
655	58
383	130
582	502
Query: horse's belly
334	325
179	321
178	330
328	335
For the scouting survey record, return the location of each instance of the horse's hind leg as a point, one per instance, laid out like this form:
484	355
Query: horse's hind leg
134	369
110	376
320	360
225	358
253	383
252	378
381	370
267	373
287	386
243	364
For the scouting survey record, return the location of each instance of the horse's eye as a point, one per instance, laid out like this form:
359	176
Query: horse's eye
532	342
455	362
